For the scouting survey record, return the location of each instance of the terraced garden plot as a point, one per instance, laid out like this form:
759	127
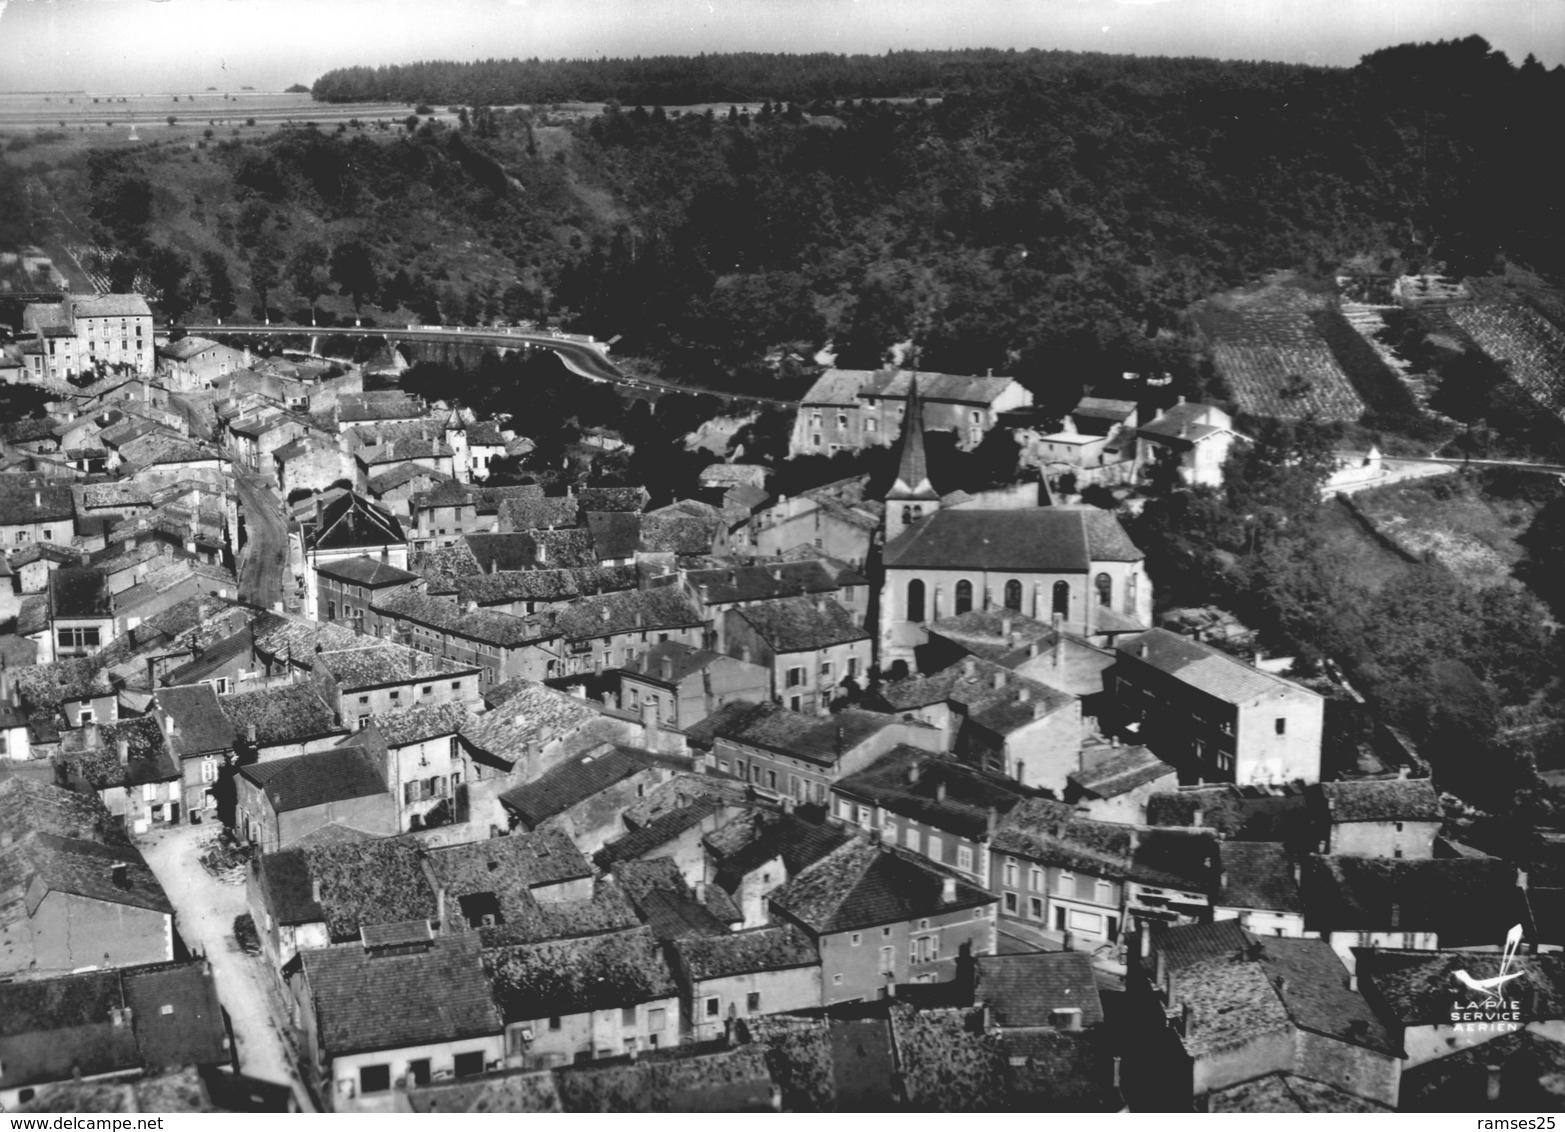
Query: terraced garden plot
1277	364
1531	348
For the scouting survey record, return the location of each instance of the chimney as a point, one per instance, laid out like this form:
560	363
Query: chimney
1135	840
667	667
494	565
1281	983
1005	627
1353	981
1491	1087
700	891
122	752
1040	708
744	654
470	607
315	889
542	552
650	727
1198	819
320	511
250	733
940	791
913	771
1401	772
37	499
820	605
999	680
970	667
1222	881
86	559
1023	694
948	890
605	614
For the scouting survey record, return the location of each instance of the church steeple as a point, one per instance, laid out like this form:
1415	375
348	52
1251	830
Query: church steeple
912	496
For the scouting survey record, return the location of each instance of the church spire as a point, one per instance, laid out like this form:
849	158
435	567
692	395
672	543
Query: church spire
913	466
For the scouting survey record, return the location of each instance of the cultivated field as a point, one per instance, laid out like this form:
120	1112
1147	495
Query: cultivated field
50	126
1277	364
1529	347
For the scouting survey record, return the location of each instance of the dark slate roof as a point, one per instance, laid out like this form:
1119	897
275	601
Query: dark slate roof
79	591
176	1016
1203	667
1026	990
487	626
29	499
1465	900
575	781
319	779
626	611
682	660
776	947
289	714
1226	810
371	882
350	520
387	999
1312	983
53	1028
201	724
218	654
801	624
28	807
1258	875
564	977
682	1079
935	790
1415	988
866	884
284	878
365	571
757	836
503	864
1044	539
1397	799
615	534
765	581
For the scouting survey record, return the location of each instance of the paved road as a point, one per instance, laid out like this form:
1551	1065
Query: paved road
581	358
263	563
204	911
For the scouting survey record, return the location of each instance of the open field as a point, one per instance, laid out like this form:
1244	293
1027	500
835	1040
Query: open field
1368	562
55	125
1472	532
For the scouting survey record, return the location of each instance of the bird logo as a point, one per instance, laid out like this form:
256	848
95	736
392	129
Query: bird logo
1490	988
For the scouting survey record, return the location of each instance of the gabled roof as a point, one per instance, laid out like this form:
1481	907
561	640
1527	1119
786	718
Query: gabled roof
1397	799
382	663
29	807
668	905
1036	540
417	724
289	714
765	581
201	724
819	739
573	782
508	864
488	626
176	1015
1205	668
126	305
564	977
667	663
87	868
626	611
524	713
759	836
92	754
306	781
801	624
935	790
1288	1092
26	499
350	521
866	884
776	947
1117	771
1465	900
372	999
1416	988
660	831
1312	983
1258	875
52	1028
366	571
1027	990
544	585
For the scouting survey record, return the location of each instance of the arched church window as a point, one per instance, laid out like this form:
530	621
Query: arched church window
1062	598
1013	595
1105	586
964	597
915	600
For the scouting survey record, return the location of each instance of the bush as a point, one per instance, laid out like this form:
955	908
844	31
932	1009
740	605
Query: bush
249	121
424	109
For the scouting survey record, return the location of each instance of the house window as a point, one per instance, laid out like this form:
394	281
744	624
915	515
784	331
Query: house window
856	938
1035	908
964	597
1012	872
657	1018
795	677
910	839
936	849
627	1018
752	1002
418	1069
363	700
220	685
853	667
395	695
554	1024
429	689
1065	885
1281	725
825	670
964	858
1010	903
1013	595
85	717
714	1006
836	980
374	1078
469	1064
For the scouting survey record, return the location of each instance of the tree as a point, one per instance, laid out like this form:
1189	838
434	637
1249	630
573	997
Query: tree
308	272
219	284
266	269
353	269
169	271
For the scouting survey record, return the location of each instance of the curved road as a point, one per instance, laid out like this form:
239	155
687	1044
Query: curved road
583	358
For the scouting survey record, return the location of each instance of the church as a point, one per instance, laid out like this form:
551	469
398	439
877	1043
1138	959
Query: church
1069	565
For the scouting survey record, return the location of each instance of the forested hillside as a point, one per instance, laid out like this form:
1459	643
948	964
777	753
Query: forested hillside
1048	215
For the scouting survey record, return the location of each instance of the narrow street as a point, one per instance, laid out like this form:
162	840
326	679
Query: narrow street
204	912
263	563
